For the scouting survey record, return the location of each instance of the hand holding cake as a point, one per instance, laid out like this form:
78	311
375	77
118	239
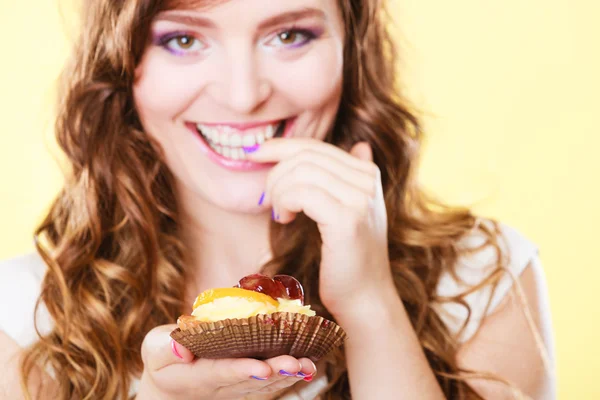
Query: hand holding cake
257	337
172	372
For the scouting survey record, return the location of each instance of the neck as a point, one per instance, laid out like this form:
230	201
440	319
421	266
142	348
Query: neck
223	246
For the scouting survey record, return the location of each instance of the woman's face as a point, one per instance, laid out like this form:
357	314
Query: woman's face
218	78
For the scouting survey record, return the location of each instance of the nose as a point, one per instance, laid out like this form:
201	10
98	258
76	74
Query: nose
242	88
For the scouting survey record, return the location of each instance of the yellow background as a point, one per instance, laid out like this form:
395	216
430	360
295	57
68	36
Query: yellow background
510	89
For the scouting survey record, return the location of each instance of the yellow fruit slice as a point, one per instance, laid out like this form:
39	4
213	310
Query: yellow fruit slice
250	295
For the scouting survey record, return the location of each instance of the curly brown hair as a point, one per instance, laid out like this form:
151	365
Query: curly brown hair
111	238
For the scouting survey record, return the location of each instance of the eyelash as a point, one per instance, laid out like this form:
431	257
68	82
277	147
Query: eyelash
309	36
166	40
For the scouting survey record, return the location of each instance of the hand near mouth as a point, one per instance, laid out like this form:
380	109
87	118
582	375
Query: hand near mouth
342	193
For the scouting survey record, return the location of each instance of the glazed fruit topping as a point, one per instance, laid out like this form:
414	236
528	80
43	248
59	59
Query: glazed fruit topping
280	286
293	288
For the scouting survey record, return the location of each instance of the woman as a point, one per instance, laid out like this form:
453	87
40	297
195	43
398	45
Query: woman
209	140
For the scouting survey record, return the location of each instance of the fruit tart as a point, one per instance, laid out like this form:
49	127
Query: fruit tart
260	317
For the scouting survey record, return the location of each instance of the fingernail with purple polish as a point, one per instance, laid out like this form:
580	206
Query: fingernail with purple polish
262	199
258	378
251	149
285	373
305	377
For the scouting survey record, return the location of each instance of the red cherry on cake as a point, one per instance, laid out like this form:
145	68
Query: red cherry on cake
263	284
293	288
281	286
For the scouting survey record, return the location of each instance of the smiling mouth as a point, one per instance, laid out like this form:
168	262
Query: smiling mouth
229	142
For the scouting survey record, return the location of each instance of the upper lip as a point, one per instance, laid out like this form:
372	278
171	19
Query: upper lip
242	125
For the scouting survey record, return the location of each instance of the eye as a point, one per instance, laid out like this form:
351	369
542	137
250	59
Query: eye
291	38
288	37
182	44
185	42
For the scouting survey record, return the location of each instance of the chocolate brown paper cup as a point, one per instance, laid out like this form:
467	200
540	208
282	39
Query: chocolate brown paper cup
261	337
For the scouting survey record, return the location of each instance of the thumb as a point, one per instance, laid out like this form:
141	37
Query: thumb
159	350
362	151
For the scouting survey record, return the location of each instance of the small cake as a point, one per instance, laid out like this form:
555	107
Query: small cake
261	317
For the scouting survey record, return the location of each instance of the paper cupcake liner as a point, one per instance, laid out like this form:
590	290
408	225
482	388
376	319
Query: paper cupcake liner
262	336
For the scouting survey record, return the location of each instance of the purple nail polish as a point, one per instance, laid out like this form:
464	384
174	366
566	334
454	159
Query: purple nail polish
273	215
305	377
251	149
258	379
262	199
285	373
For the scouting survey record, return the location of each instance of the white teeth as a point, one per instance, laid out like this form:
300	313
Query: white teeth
209	132
235	140
228	141
228	136
224	139
270	132
214	136
249	140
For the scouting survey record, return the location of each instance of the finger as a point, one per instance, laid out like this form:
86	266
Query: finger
214	376
300	386
276	150
159	350
284	366
308	370
158	354
311	175
315	202
339	170
362	151
232	371
284	371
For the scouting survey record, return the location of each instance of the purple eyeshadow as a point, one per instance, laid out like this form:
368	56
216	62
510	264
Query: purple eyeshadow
161	39
309	34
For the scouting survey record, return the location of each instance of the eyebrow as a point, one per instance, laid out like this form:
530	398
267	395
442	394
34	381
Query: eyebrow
196	20
292	16
185	18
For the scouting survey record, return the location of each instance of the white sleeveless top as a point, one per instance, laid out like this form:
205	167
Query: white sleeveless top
20	281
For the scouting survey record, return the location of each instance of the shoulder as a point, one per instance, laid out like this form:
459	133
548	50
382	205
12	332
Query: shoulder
20	286
478	260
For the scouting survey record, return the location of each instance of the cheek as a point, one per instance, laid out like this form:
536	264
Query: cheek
163	90
313	81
